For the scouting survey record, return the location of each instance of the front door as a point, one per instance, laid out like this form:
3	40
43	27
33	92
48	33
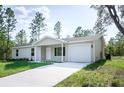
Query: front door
48	53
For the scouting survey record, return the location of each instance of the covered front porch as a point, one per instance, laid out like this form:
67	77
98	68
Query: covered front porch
50	49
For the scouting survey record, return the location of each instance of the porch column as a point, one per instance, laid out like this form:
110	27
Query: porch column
35	54
62	52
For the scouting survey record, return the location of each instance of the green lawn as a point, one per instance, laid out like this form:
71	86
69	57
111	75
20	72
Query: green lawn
100	74
12	67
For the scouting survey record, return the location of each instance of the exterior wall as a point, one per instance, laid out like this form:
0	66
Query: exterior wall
66	53
56	58
92	54
103	47
38	53
26	53
23	53
13	53
65	58
98	49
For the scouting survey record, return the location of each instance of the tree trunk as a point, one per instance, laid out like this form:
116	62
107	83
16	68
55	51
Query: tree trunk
114	16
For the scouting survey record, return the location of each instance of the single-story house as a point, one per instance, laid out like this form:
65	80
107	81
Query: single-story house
76	49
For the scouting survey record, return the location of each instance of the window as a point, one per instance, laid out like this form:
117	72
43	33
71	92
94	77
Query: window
32	51
58	51
17	52
91	46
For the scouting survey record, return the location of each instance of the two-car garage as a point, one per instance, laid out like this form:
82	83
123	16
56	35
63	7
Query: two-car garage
79	52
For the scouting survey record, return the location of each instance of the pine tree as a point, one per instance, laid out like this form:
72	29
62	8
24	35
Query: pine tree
21	38
37	25
57	29
10	22
79	32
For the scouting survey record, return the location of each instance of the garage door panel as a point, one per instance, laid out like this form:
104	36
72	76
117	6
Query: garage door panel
79	53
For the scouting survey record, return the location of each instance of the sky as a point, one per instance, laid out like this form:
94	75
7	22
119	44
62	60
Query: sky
70	16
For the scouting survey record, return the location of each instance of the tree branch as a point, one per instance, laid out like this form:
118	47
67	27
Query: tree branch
114	16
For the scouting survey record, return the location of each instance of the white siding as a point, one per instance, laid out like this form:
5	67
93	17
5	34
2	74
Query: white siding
38	53
22	53
98	49
26	53
13	53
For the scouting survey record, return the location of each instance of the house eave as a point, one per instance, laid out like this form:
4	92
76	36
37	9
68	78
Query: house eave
81	41
61	41
22	46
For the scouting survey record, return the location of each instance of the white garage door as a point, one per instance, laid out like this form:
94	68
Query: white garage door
79	53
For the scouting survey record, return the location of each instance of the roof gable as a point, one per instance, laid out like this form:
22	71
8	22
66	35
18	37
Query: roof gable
48	41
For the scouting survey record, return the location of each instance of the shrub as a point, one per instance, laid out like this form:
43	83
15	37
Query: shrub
20	59
87	79
117	83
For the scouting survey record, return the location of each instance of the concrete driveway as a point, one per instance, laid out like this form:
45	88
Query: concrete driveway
46	76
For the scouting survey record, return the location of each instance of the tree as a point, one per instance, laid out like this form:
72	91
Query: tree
10	22
79	32
21	38
87	32
115	45
111	46
2	33
2	23
119	43
108	14
57	29
37	25
7	25
99	27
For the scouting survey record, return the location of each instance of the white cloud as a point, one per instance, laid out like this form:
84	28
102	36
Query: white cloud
24	22
24	18
45	10
24	12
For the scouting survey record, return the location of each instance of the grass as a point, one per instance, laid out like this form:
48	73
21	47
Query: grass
100	74
12	67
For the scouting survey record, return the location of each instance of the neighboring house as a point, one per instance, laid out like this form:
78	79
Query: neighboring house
76	49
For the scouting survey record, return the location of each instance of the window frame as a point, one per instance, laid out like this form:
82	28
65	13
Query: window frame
17	52
32	51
